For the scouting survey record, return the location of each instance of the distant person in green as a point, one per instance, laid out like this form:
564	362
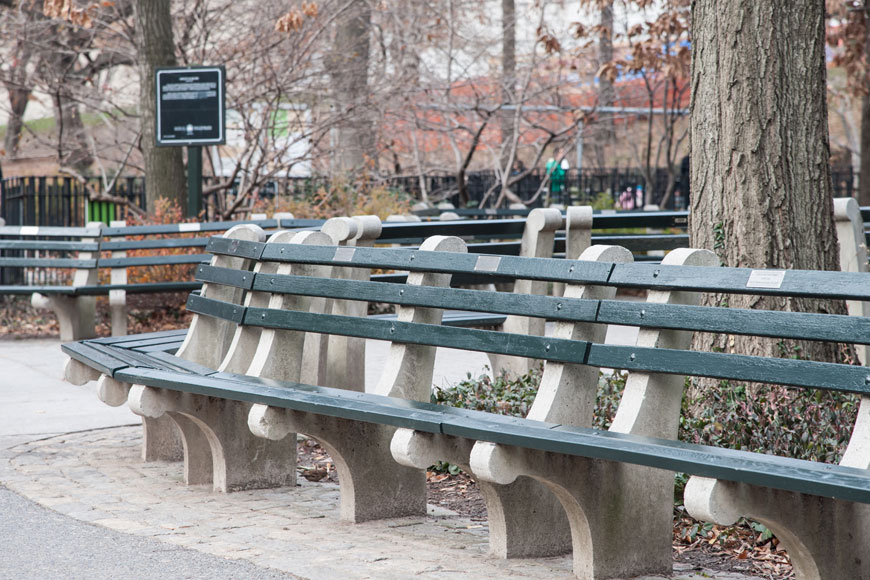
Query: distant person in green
556	168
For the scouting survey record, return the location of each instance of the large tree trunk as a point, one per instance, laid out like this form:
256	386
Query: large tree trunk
18	88
73	147
348	68
760	176
508	79
864	174
18	99
164	166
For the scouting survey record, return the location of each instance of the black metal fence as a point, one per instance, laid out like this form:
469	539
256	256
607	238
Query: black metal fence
61	201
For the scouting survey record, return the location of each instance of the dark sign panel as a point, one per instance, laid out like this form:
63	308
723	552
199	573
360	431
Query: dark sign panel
191	106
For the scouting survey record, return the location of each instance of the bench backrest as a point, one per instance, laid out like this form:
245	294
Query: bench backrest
811	326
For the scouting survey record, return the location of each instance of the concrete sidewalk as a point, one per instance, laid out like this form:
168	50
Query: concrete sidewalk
112	515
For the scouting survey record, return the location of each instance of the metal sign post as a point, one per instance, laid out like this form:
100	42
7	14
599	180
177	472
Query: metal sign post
191	112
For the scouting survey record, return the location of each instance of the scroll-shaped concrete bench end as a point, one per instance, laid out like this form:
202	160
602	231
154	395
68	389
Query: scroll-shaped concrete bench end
111	392
858	452
369	228
340	229
146	401
492	463
420	450
542	220
711	500
77	373
41	301
410	449
269	422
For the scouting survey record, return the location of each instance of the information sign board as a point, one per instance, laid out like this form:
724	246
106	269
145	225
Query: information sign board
191	106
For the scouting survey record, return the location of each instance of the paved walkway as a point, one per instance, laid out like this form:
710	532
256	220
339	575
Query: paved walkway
110	515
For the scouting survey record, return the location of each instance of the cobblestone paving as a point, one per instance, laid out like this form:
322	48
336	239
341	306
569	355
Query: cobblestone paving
97	476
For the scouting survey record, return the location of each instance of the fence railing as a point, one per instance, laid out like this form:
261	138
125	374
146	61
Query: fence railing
64	201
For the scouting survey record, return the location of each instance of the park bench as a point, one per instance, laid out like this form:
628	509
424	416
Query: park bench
59	267
239	369
31	262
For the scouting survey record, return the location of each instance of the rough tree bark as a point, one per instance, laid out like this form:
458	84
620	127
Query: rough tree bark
508	78
164	166
606	92
73	149
864	174
348	69
760	176
18	88
18	99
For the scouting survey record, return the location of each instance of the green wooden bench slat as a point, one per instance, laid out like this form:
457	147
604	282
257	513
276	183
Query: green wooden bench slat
344	404
611	219
447	262
171	362
233	247
434	297
799	373
154	244
429	334
24	290
497	248
225	276
140	288
215	308
506	228
137	261
49	232
104	359
643	242
48	245
457	318
167	347
47	263
148	287
806	283
800	325
144	339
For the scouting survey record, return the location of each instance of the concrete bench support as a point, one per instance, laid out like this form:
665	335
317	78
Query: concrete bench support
118	298
373	485
582	511
218	448
345	356
538	237
76	315
608	504
525	519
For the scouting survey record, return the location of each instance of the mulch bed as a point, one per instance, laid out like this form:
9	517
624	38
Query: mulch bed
732	549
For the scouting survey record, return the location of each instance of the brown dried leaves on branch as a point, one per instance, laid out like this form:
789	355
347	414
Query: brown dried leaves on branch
295	18
65	10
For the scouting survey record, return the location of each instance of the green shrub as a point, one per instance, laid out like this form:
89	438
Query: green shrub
506	395
805	424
